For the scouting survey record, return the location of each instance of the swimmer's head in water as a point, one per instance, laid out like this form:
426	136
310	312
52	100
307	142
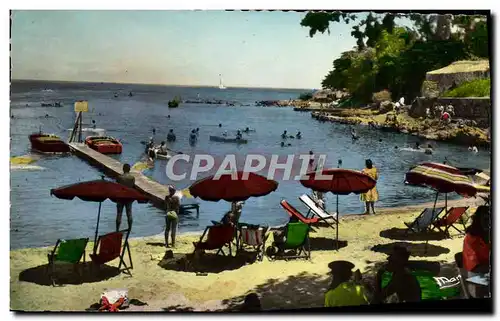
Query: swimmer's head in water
282	144
310	152
429	146
171	131
220	125
162	143
395	147
368	163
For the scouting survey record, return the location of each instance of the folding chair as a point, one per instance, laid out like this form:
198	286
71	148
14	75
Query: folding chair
318	211
69	251
293	212
218	236
297	238
254	237
109	247
423	222
451	217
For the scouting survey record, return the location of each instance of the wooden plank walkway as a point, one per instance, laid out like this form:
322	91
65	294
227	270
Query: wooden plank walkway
113	168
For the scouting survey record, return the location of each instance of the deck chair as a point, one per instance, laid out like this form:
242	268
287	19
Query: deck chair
424	221
451	217
297	238
68	251
109	247
254	237
318	211
292	211
218	236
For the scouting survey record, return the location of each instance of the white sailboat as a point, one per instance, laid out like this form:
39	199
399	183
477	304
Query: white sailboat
221	84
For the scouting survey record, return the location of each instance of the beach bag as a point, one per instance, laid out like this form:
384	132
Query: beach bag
114	299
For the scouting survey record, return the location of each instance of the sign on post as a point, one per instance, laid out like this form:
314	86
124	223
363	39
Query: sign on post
81	106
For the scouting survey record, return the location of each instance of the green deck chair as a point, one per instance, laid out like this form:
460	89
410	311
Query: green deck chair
297	238
428	285
69	251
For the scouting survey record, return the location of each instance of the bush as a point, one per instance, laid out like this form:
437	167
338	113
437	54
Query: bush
430	89
306	96
381	96
475	88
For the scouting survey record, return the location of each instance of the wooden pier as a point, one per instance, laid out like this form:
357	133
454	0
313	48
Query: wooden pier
113	168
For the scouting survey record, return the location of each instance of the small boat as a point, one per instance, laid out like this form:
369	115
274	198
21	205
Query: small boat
104	144
48	143
228	140
174	103
91	130
221	84
161	155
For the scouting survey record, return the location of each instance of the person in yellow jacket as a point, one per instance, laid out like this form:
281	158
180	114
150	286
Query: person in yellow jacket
371	196
344	291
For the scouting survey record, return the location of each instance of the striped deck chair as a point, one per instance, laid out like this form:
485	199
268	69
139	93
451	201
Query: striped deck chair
451	217
424	221
67	251
253	236
318	211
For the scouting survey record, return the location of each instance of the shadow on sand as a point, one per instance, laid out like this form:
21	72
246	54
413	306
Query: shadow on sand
65	274
206	262
325	244
415	249
399	234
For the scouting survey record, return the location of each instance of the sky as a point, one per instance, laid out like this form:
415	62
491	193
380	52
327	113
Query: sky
250	49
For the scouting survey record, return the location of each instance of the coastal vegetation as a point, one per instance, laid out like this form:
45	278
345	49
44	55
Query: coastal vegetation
474	88
306	96
394	57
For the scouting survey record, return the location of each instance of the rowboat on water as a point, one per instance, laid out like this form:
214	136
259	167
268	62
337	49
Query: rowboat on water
48	143
228	140
104	144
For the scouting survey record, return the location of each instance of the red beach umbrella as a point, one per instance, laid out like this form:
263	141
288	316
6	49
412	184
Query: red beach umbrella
341	182
232	187
99	191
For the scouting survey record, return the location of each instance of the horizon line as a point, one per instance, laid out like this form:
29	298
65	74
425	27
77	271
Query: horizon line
152	84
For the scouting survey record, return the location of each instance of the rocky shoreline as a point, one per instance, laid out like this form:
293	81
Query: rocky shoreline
431	129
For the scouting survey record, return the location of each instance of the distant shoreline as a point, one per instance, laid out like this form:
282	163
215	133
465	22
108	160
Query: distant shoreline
150	84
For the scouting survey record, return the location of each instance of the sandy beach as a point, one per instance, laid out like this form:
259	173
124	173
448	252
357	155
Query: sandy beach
164	286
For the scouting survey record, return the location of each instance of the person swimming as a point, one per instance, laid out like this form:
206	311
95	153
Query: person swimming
396	147
193	136
239	135
224	133
417	145
284	135
93	123
163	148
247	130
429	150
220	125
282	144
354	135
171	136
197	131
299	135
168	116
154	131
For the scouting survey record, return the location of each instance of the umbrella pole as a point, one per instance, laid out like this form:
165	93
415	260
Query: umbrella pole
337	227
433	210
97	227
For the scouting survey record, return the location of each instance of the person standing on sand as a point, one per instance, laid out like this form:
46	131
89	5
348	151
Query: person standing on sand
371	196
128	180
172	205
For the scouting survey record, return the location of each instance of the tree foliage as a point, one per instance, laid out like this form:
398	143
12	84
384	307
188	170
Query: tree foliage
396	58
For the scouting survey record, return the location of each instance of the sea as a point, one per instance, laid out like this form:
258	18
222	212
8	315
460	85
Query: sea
38	219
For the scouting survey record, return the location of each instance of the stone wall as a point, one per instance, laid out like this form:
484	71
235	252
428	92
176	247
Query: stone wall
478	109
448	81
